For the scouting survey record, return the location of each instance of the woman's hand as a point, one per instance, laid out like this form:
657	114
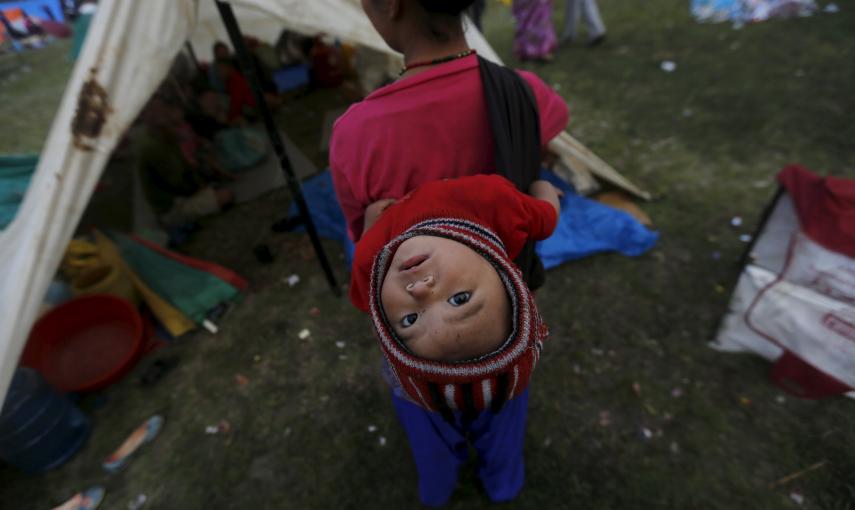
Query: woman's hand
544	190
373	212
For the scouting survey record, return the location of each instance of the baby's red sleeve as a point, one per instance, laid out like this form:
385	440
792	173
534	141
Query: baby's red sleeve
360	272
540	216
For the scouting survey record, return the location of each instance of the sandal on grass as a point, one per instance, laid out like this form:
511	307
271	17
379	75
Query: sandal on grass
86	500
143	434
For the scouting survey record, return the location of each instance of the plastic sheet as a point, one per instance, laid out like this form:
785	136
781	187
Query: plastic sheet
586	227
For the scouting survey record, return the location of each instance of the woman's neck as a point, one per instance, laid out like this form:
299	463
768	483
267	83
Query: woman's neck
425	51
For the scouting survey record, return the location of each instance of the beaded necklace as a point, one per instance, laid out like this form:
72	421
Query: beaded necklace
435	61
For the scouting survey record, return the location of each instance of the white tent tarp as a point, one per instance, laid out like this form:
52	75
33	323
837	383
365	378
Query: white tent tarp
128	52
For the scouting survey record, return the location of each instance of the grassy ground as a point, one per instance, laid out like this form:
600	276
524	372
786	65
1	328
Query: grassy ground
31	87
706	139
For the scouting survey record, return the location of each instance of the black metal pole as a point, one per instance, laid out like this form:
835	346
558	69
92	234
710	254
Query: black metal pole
248	69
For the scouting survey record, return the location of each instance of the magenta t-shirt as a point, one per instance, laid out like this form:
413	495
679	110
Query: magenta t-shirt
430	126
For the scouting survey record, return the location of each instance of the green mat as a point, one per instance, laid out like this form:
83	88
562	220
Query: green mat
192	291
80	29
15	175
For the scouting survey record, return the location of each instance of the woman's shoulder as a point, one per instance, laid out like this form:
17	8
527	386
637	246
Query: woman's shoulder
536	83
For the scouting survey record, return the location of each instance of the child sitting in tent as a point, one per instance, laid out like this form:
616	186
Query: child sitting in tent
178	178
456	323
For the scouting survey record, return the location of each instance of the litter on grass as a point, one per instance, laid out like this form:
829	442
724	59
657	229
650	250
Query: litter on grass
223	427
372	428
210	326
668	66
137	502
292	280
340	344
303	334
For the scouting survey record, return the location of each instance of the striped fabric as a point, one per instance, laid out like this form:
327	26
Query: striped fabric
470	386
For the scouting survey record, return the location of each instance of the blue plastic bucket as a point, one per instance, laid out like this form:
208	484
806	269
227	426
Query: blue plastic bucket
40	429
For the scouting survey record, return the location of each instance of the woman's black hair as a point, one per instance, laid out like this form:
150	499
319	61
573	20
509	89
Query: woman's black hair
443	17
449	7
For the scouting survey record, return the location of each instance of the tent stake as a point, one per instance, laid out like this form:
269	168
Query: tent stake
248	69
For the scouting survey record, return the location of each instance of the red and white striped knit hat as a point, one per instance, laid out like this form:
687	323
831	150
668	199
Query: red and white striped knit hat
470	386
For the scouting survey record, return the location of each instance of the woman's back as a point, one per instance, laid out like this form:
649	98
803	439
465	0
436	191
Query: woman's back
429	126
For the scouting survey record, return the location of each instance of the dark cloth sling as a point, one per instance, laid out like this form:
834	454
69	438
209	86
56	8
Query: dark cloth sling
515	123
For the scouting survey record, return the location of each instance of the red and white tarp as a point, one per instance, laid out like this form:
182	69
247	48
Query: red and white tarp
795	303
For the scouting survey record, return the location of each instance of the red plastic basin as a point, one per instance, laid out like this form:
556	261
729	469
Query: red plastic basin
86	344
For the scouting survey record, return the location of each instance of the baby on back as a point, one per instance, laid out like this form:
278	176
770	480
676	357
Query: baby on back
456	323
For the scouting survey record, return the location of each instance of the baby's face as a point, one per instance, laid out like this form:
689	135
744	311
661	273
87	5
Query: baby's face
444	300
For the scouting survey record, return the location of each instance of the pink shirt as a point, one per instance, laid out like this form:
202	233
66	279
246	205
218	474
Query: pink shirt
430	126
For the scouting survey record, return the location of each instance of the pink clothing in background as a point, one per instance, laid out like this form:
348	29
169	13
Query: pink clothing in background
430	126
535	36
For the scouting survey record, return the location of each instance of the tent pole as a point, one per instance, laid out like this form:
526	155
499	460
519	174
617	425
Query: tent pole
227	14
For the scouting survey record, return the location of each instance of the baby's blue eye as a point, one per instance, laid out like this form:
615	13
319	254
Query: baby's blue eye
461	298
409	320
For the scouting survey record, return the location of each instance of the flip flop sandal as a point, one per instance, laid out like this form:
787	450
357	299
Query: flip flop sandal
143	434
86	500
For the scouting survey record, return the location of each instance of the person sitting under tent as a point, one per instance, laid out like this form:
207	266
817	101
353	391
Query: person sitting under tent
178	178
264	61
221	53
207	110
242	105
225	77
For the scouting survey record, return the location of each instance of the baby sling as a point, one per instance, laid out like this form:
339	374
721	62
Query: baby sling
515	124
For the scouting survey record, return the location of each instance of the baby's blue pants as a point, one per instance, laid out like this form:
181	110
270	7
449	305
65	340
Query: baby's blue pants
440	448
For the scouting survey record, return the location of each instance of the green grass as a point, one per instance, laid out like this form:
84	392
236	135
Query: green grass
31	87
707	140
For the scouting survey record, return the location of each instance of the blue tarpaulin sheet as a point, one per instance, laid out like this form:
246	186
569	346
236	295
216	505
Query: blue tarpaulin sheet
586	227
36	8
325	211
